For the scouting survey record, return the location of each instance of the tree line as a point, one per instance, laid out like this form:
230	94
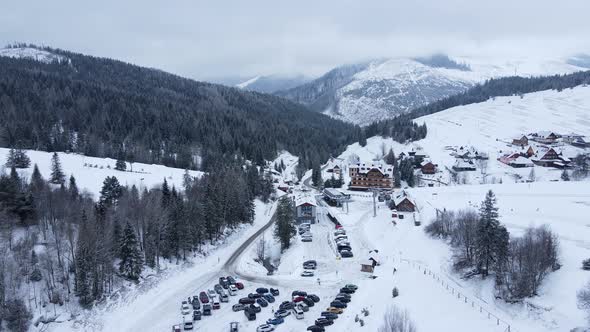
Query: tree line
482	245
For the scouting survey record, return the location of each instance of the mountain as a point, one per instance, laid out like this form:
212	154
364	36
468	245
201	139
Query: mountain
32	53
381	89
272	83
107	108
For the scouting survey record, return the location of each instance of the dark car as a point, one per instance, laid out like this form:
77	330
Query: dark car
338	304
251	315
275	321
282	313
323	322
263	303
239	285
254	295
342	299
298	293
196	314
298	299
346	290
206	309
344	247
346	254
218	288
344	295
315	328
351	286
261	290
309	266
309	302
311	261
314	298
254	308
286	305
238	307
329	315
246	300
274	292
269	298
203	297
231	280
195	302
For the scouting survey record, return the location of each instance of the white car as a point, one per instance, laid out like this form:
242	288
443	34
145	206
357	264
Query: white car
232	290
211	293
307	273
185	309
265	328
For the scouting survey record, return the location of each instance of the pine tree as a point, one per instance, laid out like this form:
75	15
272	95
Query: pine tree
18	158
83	265
285	228
57	175
111	191
121	165
73	188
390	158
488	233
37	182
565	175
316	175
165	194
131	263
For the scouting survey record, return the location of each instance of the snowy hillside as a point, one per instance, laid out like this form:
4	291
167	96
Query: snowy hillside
384	88
90	172
272	83
33	54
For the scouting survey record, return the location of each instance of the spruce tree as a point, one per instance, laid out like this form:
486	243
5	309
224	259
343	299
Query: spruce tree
285	228
390	158
83	265
131	263
121	165
488	234
37	182
111	191
57	175
18	158
316	175
73	188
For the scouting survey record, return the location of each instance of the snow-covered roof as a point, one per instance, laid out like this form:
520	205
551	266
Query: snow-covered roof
463	164
305	199
367	262
521	161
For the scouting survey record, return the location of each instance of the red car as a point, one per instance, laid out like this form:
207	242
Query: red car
203	297
239	285
298	299
338	226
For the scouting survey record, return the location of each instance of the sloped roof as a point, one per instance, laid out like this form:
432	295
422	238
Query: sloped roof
305	199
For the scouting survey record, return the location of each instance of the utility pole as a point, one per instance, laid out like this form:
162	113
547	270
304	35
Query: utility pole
374	203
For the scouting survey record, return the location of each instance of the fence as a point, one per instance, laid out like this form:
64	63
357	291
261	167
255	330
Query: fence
475	304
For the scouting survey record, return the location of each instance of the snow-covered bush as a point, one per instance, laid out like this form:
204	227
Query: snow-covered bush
395	292
586	264
396	320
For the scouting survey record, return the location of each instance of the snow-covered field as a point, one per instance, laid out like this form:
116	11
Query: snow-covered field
33	54
90	172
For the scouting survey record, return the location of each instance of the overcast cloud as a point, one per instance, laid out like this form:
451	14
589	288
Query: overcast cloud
205	39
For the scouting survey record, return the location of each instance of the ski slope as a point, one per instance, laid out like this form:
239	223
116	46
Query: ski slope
33	54
90	172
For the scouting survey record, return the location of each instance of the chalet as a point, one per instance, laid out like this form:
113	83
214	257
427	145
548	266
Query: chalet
463	166
427	167
508	158
402	203
547	157
364	176
546	137
521	141
530	152
305	210
336	169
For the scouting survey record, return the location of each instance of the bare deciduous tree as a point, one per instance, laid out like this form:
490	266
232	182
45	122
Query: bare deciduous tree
396	320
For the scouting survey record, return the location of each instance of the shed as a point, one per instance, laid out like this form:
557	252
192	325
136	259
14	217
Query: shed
367	266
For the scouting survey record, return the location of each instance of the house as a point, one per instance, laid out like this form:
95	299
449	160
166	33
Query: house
508	158
366	176
402	203
463	166
305	210
521	162
547	137
520	141
546	157
336	169
375	257
530	152
427	167
367	266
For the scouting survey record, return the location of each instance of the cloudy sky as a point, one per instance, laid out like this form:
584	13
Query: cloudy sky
206	39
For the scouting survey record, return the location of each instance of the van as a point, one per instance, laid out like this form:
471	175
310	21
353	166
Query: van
297	312
206	309
231	291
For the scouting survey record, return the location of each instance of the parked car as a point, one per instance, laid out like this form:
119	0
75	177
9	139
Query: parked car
223	297
262	302
340	231
307	273
197	314
346	290
255	307
309	266
231	280
254	295
250	314
275	321
286	305
282	313
329	315
297	312
346	254
315	328
269	298
338	304
314	298
274	292
303	306
233	327
216	304
299	299
238	307
206	309
323	322
246	300
176	328
203	297
188	324
223	282
265	328
307	239
309	302
298	293
239	285
351	286
218	289
335	310
195	302
232	290
338	226
344	295
185	309
343	247
311	261
342	299
261	290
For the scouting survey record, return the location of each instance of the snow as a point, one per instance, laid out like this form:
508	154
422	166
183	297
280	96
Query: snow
90	178
32	53
245	84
